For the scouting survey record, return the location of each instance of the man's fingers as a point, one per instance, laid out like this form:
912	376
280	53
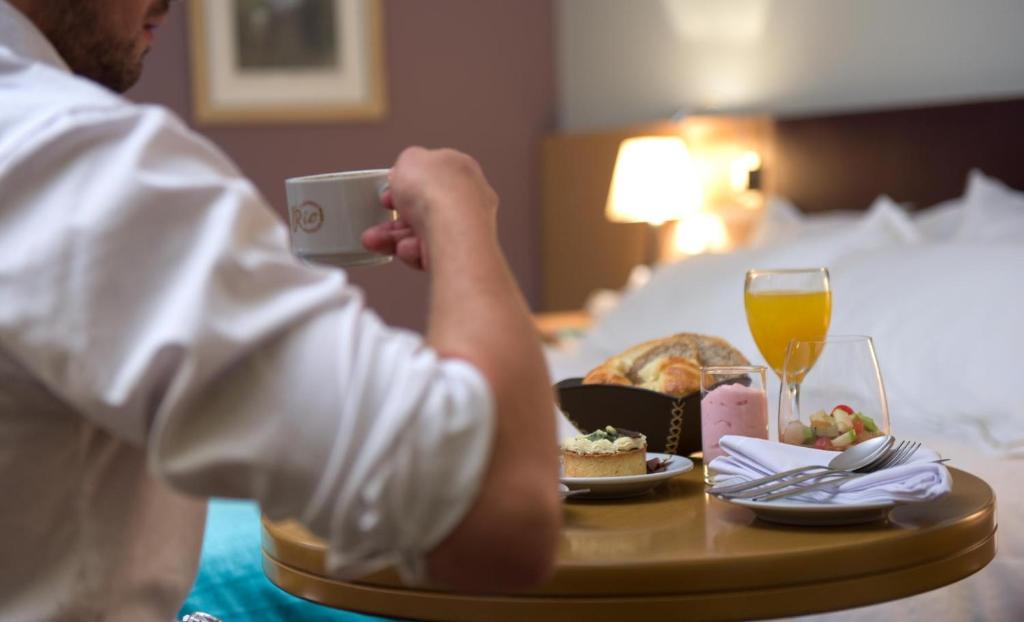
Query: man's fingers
379	239
400	233
397	238
408	250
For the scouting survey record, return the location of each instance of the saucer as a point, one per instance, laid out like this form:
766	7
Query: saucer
790	512
628	485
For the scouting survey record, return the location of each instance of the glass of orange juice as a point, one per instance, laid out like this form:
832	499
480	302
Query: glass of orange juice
783	305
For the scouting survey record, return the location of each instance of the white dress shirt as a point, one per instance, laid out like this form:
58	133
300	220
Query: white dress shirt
159	344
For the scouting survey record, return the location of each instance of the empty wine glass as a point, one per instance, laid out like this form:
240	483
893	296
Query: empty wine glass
832	393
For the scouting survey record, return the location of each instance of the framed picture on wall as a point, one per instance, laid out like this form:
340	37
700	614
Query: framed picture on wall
287	60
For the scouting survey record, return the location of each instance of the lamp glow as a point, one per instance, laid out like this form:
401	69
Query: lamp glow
654	181
741	168
700	232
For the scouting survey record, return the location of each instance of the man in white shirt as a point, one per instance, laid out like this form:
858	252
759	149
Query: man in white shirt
159	344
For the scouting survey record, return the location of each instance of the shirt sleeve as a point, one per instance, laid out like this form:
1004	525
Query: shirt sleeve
155	294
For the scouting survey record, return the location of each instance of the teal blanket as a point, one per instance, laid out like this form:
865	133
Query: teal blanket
231	584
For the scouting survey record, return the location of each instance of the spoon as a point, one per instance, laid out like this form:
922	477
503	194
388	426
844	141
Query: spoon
852	458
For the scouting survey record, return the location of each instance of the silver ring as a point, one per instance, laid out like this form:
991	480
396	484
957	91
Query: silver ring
199	616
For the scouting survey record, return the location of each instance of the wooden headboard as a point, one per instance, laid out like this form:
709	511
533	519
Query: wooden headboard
918	156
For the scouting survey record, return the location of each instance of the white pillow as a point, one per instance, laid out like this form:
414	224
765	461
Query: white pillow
782	222
940	222
704	294
993	212
989	211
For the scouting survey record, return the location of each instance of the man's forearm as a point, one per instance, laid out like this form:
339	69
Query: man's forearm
477	311
478	314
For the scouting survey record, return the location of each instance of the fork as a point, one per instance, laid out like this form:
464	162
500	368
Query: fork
894	456
901	455
903	452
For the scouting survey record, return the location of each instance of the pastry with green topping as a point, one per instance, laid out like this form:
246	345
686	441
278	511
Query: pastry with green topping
605	452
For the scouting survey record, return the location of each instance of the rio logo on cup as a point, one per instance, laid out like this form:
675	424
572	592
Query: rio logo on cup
328	214
308	217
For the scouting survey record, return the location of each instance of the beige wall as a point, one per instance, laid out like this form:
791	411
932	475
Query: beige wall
621	63
476	75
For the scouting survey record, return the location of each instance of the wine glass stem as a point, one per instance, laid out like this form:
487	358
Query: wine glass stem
794	399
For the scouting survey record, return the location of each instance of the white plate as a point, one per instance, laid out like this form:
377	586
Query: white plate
628	485
789	512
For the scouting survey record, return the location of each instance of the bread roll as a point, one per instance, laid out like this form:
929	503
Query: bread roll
669	365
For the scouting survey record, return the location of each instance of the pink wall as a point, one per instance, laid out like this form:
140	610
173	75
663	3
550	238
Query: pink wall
476	75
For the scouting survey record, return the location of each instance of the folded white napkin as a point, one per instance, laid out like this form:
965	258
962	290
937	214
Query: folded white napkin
920	479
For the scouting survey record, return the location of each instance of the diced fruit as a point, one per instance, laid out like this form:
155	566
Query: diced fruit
844	440
826	431
844	422
794	433
823	443
869	423
858	426
824	425
835	430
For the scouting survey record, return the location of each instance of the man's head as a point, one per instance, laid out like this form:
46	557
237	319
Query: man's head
103	40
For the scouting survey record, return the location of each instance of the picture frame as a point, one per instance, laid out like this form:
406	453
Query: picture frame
273	61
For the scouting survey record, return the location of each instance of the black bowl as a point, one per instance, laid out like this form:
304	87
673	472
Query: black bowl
671	424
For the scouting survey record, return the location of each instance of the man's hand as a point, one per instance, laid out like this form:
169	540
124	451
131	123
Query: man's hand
421	182
396	238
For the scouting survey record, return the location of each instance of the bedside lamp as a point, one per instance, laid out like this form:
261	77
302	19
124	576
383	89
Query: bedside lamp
654	181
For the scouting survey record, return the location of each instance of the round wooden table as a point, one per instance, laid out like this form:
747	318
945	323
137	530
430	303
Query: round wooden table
677	554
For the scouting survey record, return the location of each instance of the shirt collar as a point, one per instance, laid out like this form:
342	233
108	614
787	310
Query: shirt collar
20	35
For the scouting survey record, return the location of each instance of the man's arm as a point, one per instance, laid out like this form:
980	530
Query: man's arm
187	329
477	313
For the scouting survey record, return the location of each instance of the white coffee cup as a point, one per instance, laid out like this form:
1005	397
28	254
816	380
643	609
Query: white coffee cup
328	213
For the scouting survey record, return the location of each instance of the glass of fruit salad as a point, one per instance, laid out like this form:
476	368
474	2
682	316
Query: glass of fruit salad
832	393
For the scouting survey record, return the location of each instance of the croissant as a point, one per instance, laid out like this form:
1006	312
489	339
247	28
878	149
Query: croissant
669	365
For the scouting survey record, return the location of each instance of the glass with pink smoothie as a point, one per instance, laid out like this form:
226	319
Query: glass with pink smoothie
733	401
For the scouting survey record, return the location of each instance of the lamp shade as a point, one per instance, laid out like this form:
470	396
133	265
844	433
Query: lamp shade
654	181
